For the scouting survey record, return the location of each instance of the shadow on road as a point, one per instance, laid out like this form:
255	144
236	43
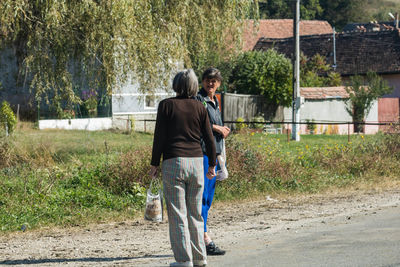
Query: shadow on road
90	259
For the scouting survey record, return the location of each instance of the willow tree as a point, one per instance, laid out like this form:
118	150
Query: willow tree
108	41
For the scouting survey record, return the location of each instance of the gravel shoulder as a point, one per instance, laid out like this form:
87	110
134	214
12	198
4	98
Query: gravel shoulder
142	243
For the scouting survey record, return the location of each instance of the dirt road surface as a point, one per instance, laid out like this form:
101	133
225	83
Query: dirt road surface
241	227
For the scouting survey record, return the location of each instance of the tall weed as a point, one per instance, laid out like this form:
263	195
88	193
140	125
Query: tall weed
130	168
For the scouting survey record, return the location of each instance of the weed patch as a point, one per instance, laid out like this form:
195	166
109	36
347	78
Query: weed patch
68	178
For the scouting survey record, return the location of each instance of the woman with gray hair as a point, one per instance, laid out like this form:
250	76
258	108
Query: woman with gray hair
182	122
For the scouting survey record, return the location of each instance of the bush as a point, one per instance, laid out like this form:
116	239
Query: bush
259	122
240	125
315	72
311	126
264	73
130	169
363	91
7	117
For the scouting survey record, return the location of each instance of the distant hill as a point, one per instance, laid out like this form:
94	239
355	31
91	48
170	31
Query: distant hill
338	13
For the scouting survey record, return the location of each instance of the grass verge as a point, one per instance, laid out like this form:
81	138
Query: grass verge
73	178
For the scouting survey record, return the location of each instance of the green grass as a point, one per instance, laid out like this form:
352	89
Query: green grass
84	145
64	178
68	178
261	139
260	163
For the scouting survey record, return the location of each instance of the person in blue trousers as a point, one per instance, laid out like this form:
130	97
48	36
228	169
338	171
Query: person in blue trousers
211	81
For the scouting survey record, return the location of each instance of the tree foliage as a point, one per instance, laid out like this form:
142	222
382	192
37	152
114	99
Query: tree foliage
107	42
315	72
280	9
8	120
264	73
363	91
341	12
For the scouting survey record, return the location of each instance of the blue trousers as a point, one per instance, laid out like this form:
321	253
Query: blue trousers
208	193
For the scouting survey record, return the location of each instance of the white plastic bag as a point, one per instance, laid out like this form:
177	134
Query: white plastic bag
222	173
154	203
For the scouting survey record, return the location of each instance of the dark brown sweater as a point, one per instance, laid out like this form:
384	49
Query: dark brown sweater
180	126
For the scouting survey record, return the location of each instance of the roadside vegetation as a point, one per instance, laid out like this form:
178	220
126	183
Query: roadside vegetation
73	178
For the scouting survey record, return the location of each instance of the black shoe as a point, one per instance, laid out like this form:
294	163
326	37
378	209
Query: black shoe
213	250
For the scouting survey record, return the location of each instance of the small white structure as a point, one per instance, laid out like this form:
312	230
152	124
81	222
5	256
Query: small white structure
131	107
89	124
327	104
130	110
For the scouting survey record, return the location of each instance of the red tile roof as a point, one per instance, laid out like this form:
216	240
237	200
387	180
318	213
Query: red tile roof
281	28
323	92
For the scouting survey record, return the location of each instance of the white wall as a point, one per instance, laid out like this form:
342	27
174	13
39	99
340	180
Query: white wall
90	124
331	110
128	104
128	99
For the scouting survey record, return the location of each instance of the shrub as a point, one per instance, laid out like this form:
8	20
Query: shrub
260	121
363	91
240	125
264	73
130	169
7	117
311	126
315	72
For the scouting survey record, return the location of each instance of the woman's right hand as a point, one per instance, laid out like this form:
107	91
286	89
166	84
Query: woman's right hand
223	130
153	171
211	173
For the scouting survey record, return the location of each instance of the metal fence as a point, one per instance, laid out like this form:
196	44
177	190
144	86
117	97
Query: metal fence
284	127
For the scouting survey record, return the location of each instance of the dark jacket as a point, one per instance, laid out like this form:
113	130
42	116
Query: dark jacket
215	118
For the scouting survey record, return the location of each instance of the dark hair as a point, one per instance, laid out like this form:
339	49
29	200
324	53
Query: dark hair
212	73
185	83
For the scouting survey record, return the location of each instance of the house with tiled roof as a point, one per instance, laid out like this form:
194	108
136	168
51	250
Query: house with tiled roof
354	53
280	28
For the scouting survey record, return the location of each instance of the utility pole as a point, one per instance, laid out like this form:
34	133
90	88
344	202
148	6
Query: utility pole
334	49
296	74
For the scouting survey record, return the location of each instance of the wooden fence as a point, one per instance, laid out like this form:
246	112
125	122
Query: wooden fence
236	106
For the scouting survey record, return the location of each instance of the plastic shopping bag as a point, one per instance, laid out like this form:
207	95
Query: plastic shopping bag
222	174
154	203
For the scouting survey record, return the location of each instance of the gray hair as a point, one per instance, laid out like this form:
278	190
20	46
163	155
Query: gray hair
185	83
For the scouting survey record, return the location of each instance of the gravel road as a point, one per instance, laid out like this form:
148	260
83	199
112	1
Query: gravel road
142	243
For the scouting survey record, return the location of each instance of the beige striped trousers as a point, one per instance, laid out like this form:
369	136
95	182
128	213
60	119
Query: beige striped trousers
183	183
